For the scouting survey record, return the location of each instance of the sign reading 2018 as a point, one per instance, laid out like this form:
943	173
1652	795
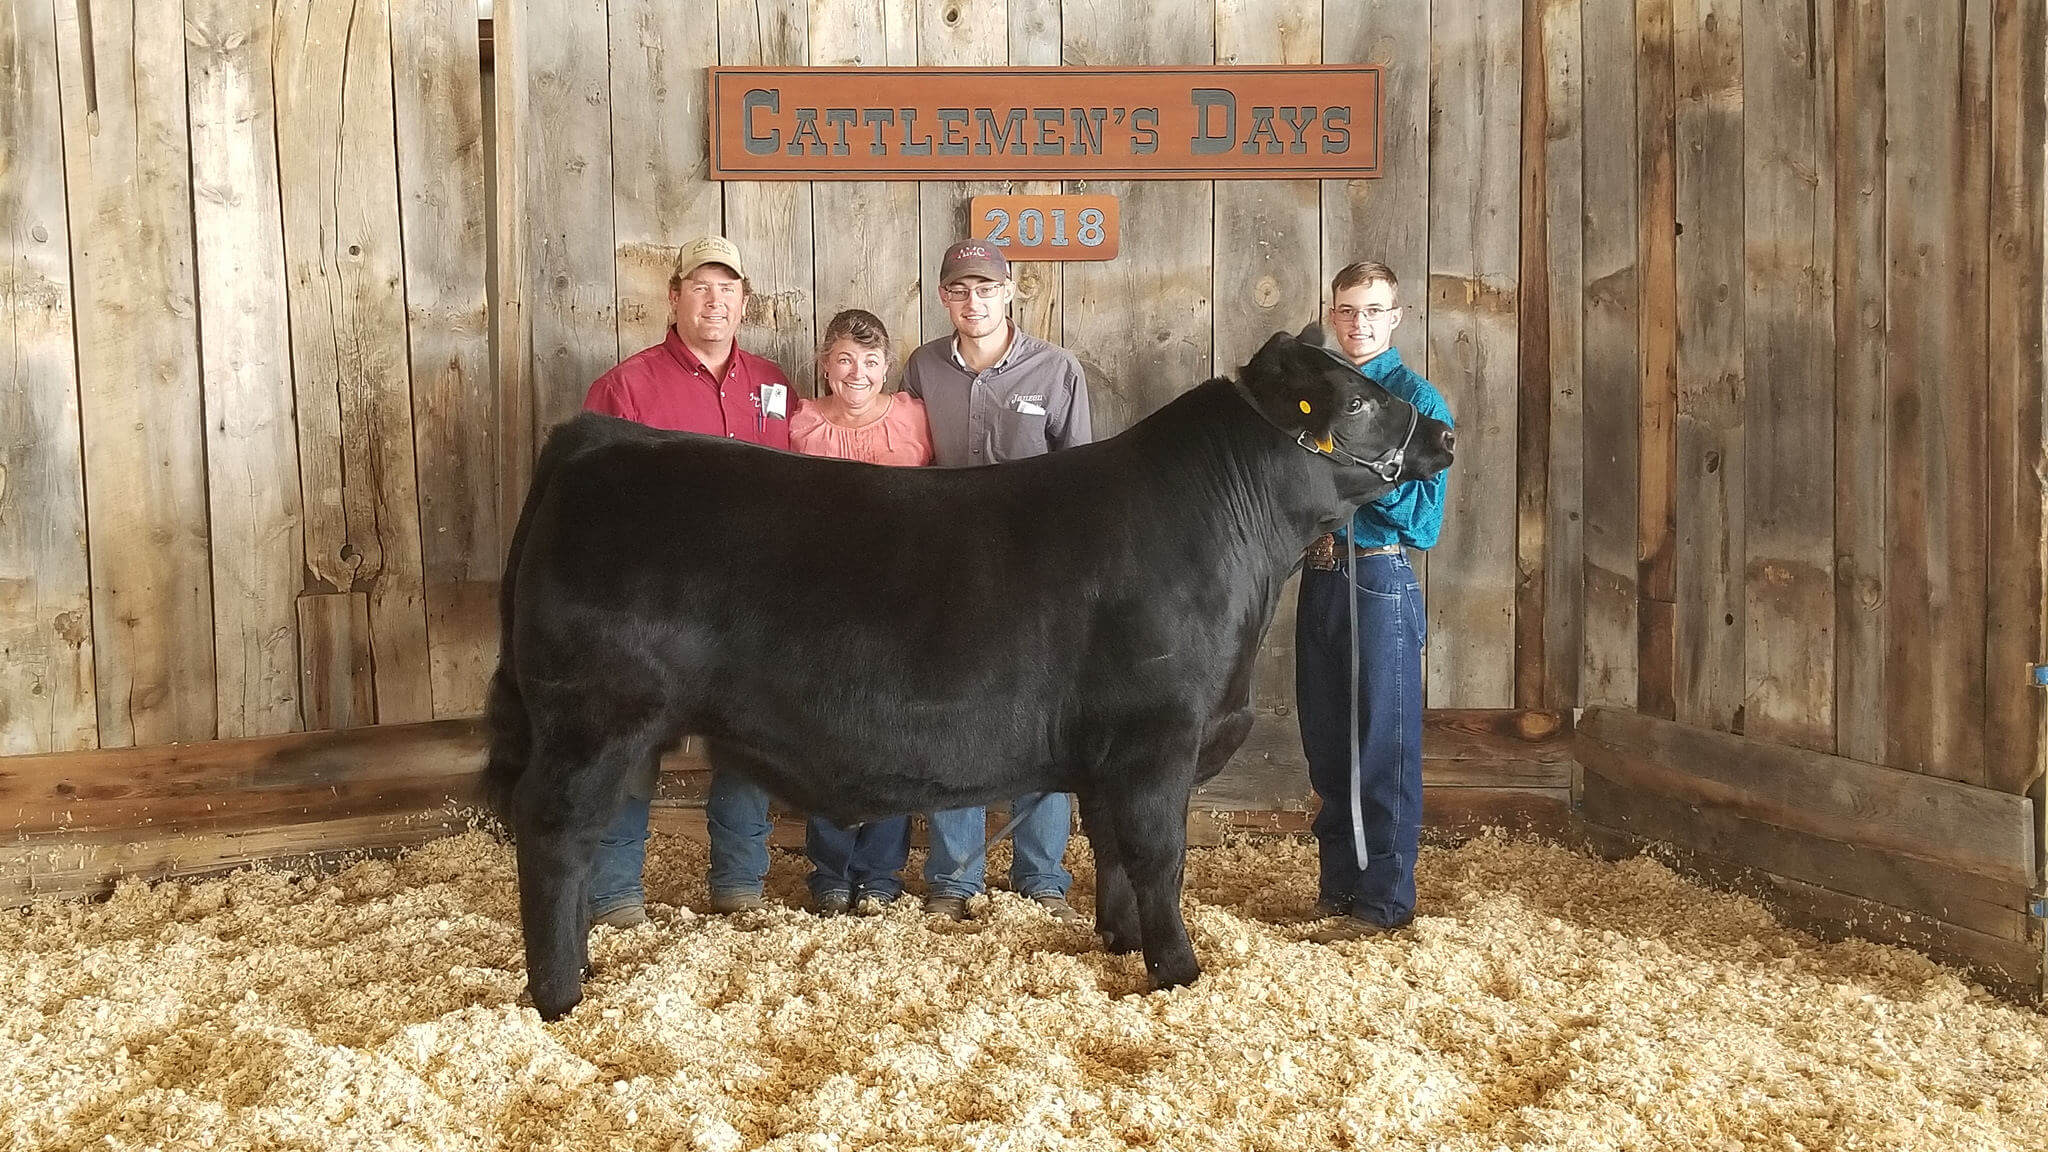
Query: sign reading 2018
1261	122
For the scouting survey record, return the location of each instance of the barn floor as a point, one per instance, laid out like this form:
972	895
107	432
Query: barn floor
1546	1000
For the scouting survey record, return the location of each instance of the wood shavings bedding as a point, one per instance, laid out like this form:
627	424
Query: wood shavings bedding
1543	1000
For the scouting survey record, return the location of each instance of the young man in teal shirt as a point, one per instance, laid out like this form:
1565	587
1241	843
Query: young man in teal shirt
1369	825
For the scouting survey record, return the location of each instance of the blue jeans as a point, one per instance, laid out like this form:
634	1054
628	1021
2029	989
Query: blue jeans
957	867
1391	632
620	858
862	859
736	815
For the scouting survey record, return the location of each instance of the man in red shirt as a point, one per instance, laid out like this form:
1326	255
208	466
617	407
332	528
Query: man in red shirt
696	380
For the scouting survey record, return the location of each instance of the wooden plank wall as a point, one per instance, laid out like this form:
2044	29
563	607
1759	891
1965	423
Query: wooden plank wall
466	460
1824	462
1838	443
46	655
364	596
249	366
127	176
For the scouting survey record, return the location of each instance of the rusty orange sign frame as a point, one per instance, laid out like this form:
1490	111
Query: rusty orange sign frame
1276	121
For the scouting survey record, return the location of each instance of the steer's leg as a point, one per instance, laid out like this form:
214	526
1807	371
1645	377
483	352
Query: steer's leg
567	796
1151	837
1116	907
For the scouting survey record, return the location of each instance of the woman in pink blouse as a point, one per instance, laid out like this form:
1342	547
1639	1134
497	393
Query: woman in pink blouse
858	420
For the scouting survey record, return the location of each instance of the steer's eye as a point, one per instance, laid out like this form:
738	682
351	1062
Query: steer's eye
1356	406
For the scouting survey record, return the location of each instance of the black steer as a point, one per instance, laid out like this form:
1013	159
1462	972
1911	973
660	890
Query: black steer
864	641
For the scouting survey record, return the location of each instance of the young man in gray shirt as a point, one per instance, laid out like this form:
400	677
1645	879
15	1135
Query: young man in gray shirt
994	393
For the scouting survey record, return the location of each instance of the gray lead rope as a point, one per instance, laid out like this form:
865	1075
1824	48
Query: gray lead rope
1351	627
1016	818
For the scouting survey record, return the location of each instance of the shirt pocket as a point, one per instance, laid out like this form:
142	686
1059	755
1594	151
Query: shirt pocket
1020	433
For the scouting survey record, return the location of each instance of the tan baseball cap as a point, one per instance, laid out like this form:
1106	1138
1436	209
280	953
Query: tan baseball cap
708	250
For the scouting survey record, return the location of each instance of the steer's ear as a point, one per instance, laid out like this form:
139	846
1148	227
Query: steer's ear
1265	365
1316	338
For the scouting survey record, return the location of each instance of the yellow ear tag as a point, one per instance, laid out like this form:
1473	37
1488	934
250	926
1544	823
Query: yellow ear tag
1304	407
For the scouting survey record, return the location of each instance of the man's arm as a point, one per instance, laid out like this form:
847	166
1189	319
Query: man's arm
1072	424
913	384
607	397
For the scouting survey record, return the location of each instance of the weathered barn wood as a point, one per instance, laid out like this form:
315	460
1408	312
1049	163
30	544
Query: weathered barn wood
461	450
511	114
128	188
252	459
771	221
971	34
1857	156
1041	284
572	306
335	653
867	257
1959	825
344	273
1532	367
1936	124
660	198
1141	324
1266	269
46	653
1708	438
1657	351
88	865
1561	186
1612	292
2016	610
1474	150
1789	381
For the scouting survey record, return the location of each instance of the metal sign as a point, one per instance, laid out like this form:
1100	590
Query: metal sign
1047	227
1254	122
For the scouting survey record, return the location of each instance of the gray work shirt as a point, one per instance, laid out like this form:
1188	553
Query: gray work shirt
1033	401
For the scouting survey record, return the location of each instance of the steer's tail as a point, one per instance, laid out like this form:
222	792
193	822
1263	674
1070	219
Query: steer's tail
511	733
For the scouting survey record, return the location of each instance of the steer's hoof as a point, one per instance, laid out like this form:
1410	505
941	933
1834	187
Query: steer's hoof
553	1004
1120	943
1174	972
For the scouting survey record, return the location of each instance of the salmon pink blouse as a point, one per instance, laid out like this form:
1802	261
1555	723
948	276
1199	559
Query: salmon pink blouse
900	437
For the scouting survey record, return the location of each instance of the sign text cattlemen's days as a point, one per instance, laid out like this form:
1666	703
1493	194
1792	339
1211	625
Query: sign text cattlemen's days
1033	123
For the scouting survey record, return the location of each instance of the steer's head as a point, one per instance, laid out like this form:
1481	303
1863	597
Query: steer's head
1313	394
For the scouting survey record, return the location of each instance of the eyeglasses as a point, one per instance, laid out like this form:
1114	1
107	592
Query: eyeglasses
986	290
1373	313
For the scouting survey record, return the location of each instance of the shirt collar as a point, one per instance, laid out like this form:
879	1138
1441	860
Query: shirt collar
1008	351
1382	366
691	360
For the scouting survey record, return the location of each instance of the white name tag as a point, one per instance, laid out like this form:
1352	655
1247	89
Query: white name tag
1028	406
775	401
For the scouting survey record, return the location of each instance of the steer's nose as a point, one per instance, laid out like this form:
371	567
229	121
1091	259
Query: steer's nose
1447	438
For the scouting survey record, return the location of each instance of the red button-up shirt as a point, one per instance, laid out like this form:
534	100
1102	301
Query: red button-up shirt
667	386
